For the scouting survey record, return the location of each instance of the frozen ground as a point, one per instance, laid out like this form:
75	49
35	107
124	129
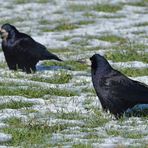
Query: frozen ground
57	106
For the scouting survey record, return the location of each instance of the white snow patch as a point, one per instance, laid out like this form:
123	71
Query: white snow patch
2	58
124	27
5	137
130	64
143	79
3	125
50	42
7	99
8	113
118	140
63	104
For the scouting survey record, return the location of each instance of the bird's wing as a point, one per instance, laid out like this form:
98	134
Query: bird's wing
28	45
126	89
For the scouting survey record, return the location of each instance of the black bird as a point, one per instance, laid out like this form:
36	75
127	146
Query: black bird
116	91
21	51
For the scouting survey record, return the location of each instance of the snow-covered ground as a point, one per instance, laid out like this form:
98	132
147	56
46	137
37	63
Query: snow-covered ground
41	20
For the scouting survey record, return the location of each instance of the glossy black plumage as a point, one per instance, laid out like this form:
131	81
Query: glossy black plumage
21	51
116	92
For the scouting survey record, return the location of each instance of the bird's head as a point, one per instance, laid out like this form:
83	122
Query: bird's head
7	30
99	63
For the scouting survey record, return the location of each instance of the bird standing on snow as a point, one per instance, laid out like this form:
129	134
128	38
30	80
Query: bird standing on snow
116	92
21	51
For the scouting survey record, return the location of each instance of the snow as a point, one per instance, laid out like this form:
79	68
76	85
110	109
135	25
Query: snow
5	137
130	64
122	23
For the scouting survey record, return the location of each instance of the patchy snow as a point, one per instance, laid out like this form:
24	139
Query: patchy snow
50	42
143	79
63	104
9	113
7	99
49	108
5	137
3	125
130	64
2	58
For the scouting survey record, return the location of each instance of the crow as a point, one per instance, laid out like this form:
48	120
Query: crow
21	51
116	92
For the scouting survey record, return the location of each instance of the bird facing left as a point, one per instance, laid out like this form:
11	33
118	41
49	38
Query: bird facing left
21	51
116	92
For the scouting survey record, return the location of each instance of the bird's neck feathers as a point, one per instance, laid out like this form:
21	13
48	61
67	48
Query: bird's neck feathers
13	33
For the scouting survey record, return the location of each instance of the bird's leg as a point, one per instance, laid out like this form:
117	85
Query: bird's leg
33	68
12	66
30	69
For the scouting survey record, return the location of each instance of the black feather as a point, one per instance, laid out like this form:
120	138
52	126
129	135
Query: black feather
23	52
116	92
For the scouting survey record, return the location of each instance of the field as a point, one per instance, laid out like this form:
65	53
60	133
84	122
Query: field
57	106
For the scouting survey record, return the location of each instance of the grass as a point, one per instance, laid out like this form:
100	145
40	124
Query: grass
65	26
93	136
27	1
141	3
134	72
15	105
62	26
15	75
125	56
133	135
3	64
12	21
112	38
30	134
70	116
51	129
97	7
112	17
85	22
130	46
21	1
66	38
142	24
95	119
36	92
42	1
81	42
124	134
43	22
109	38
82	146
76	7
107	8
60	78
71	65
90	90
113	132
61	50
10	84
89	15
